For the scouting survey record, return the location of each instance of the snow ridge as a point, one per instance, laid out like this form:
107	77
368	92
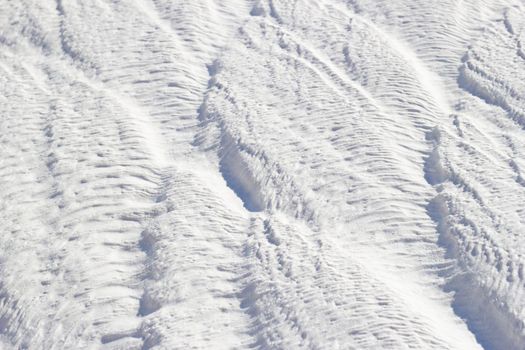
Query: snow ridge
264	174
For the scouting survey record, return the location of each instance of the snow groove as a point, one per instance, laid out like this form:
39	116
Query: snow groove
270	298
492	323
344	174
99	156
475	225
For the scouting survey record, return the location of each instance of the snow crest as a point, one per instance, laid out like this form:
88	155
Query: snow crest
263	174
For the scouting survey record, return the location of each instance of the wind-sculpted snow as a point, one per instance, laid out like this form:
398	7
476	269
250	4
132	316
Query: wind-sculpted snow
264	174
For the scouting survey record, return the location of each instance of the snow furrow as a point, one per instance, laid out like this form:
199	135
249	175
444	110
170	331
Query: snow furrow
266	174
229	105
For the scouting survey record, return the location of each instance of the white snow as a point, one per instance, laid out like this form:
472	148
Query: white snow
267	174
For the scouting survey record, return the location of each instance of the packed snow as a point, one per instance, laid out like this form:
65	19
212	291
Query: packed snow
262	174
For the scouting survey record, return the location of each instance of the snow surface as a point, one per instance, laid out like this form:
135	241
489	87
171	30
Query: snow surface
266	174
